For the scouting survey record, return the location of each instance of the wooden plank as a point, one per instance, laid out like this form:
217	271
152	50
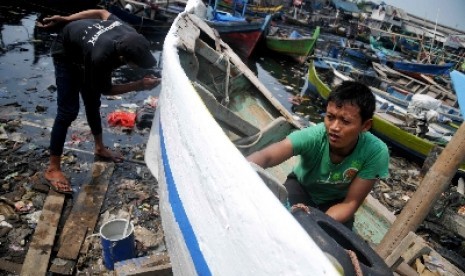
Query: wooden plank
400	249
85	212
221	113
418	249
38	255
10	266
149	265
62	267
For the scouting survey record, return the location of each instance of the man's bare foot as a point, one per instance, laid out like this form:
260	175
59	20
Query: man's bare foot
108	155
57	181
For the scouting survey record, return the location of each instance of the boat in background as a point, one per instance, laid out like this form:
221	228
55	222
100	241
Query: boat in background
62	7
148	18
410	86
288	41
240	32
389	123
416	69
250	9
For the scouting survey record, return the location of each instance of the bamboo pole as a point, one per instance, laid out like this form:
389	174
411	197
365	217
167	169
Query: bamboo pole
433	184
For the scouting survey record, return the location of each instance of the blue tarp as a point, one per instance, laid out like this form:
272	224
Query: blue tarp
345	6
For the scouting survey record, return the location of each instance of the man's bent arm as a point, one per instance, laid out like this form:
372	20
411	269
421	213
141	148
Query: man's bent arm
272	155
87	14
146	83
358	191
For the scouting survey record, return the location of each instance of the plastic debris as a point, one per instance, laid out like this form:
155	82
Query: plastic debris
151	101
130	106
122	118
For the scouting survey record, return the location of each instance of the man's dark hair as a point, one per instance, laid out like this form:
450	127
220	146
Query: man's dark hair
357	94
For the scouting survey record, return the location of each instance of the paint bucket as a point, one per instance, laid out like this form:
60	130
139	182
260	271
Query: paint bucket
115	247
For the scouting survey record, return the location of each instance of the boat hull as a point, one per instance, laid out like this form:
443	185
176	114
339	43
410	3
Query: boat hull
216	220
141	24
243	43
415	69
294	47
242	36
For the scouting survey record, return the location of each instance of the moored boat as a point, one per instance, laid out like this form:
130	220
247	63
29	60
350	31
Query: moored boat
148	18
290	42
415	69
250	9
63	7
412	85
241	32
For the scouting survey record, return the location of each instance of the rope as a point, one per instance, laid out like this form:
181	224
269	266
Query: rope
355	262
259	136
222	57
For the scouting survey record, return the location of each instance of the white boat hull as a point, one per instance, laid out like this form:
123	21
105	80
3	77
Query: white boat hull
218	216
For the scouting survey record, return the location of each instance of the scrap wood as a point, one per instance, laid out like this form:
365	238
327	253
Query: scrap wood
393	259
40	248
158	265
62	267
10	266
85	212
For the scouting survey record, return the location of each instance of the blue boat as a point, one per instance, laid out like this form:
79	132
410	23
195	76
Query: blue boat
415	69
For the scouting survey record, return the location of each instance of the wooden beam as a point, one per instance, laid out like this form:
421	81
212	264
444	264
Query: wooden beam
38	254
224	115
10	266
157	265
400	249
85	212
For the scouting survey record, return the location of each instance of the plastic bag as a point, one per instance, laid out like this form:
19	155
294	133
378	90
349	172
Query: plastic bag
122	118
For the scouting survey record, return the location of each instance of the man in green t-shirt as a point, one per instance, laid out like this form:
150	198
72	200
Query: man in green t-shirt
340	160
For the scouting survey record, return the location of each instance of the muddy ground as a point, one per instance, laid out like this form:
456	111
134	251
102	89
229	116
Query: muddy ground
27	110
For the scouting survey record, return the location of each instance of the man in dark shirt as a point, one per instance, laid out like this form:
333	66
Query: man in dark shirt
89	47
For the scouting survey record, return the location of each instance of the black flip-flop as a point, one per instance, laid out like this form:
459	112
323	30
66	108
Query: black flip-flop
47	182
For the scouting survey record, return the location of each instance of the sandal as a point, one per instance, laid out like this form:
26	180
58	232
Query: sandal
52	184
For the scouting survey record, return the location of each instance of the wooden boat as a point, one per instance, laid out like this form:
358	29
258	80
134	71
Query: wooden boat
212	232
152	19
220	217
251	9
416	86
263	10
290	42
390	125
415	69
63	7
242	33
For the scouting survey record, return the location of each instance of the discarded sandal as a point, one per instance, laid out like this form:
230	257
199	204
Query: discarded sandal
52	184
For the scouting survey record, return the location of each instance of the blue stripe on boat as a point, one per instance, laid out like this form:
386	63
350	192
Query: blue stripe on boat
180	215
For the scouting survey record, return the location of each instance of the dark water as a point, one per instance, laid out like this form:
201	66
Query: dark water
27	81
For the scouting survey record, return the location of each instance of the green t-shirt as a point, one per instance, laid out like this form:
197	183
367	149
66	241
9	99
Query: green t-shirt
326	181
